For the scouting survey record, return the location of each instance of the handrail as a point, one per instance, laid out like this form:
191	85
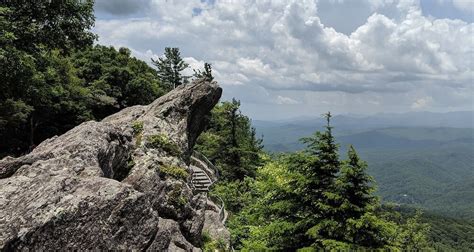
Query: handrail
222	215
216	199
203	166
200	156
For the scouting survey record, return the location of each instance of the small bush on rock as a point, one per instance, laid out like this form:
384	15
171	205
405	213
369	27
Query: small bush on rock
211	245
137	127
174	171
160	141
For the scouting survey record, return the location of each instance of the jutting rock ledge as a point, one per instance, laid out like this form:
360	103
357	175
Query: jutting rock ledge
116	184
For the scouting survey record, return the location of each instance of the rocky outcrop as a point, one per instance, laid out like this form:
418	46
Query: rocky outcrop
213	225
116	184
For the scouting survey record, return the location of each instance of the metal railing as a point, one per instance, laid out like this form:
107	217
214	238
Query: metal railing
220	204
209	164
216	199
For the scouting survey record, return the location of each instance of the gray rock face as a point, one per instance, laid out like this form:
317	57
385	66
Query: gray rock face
111	184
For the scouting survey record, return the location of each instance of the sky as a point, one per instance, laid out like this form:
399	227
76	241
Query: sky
297	58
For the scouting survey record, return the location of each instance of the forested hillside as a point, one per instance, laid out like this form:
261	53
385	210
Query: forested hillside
311	199
428	167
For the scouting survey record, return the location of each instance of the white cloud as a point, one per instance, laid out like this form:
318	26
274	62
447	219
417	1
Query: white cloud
422	103
285	100
284	45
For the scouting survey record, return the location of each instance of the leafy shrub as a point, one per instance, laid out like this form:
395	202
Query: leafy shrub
210	245
137	127
160	141
174	171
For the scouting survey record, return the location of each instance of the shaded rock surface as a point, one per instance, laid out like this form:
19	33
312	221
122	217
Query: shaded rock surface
213	225
102	185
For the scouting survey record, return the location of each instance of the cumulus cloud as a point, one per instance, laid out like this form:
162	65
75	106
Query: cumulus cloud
285	100
422	103
285	46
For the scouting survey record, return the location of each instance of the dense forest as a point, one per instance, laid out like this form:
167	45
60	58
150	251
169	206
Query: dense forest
55	77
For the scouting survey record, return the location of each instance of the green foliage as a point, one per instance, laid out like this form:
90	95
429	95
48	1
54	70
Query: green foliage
137	127
355	184
426	167
36	25
160	141
116	79
230	142
414	234
312	201
211	245
170	67
449	234
53	78
174	172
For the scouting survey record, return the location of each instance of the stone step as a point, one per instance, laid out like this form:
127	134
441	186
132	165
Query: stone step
202	189
206	184
201	179
201	185
200	176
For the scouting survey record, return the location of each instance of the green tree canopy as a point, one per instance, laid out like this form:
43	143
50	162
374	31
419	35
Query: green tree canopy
230	142
36	25
52	77
311	200
170	67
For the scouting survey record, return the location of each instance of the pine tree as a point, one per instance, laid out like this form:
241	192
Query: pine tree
358	224
206	74
231	143
356	187
170	67
321	196
323	146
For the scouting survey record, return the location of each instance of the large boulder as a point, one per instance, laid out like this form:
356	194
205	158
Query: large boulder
121	183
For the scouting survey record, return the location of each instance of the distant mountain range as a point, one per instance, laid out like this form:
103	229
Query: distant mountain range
418	159
283	135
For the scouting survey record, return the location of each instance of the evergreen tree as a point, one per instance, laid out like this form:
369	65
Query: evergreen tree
356	216
206	74
355	187
230	142
170	67
321	196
